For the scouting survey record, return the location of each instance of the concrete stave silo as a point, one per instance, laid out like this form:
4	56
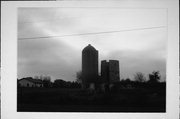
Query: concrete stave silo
89	67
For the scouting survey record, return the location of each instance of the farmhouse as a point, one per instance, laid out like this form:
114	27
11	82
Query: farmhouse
30	82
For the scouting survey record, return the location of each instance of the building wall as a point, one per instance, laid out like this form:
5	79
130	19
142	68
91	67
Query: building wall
26	83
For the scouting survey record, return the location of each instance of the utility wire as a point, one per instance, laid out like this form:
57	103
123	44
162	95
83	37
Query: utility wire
42	21
92	33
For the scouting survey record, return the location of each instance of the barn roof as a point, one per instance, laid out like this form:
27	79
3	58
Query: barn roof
32	80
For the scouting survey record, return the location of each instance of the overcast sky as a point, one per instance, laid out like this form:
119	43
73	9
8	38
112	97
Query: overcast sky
140	46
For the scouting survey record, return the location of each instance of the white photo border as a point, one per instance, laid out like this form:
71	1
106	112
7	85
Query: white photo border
9	59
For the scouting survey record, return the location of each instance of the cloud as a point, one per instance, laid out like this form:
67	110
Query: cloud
60	57
48	57
135	61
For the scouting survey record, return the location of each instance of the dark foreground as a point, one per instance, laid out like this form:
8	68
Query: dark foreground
77	100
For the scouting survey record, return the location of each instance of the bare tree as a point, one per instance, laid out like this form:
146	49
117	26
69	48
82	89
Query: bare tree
154	77
46	81
79	76
139	77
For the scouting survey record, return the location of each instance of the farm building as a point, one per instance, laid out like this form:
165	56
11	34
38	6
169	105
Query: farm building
30	82
89	67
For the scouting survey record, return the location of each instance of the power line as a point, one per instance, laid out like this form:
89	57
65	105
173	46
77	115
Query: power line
31	22
41	21
92	33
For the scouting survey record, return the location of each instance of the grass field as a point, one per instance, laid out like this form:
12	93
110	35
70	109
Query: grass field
77	100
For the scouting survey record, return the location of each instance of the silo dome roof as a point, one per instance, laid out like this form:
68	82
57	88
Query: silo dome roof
89	48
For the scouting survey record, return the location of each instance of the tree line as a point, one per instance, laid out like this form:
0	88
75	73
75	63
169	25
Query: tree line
139	78
154	77
58	83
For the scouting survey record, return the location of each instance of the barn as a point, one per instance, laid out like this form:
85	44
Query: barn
30	82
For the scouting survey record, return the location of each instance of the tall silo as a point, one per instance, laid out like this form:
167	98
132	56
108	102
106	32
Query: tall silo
104	72
114	71
89	66
110	71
